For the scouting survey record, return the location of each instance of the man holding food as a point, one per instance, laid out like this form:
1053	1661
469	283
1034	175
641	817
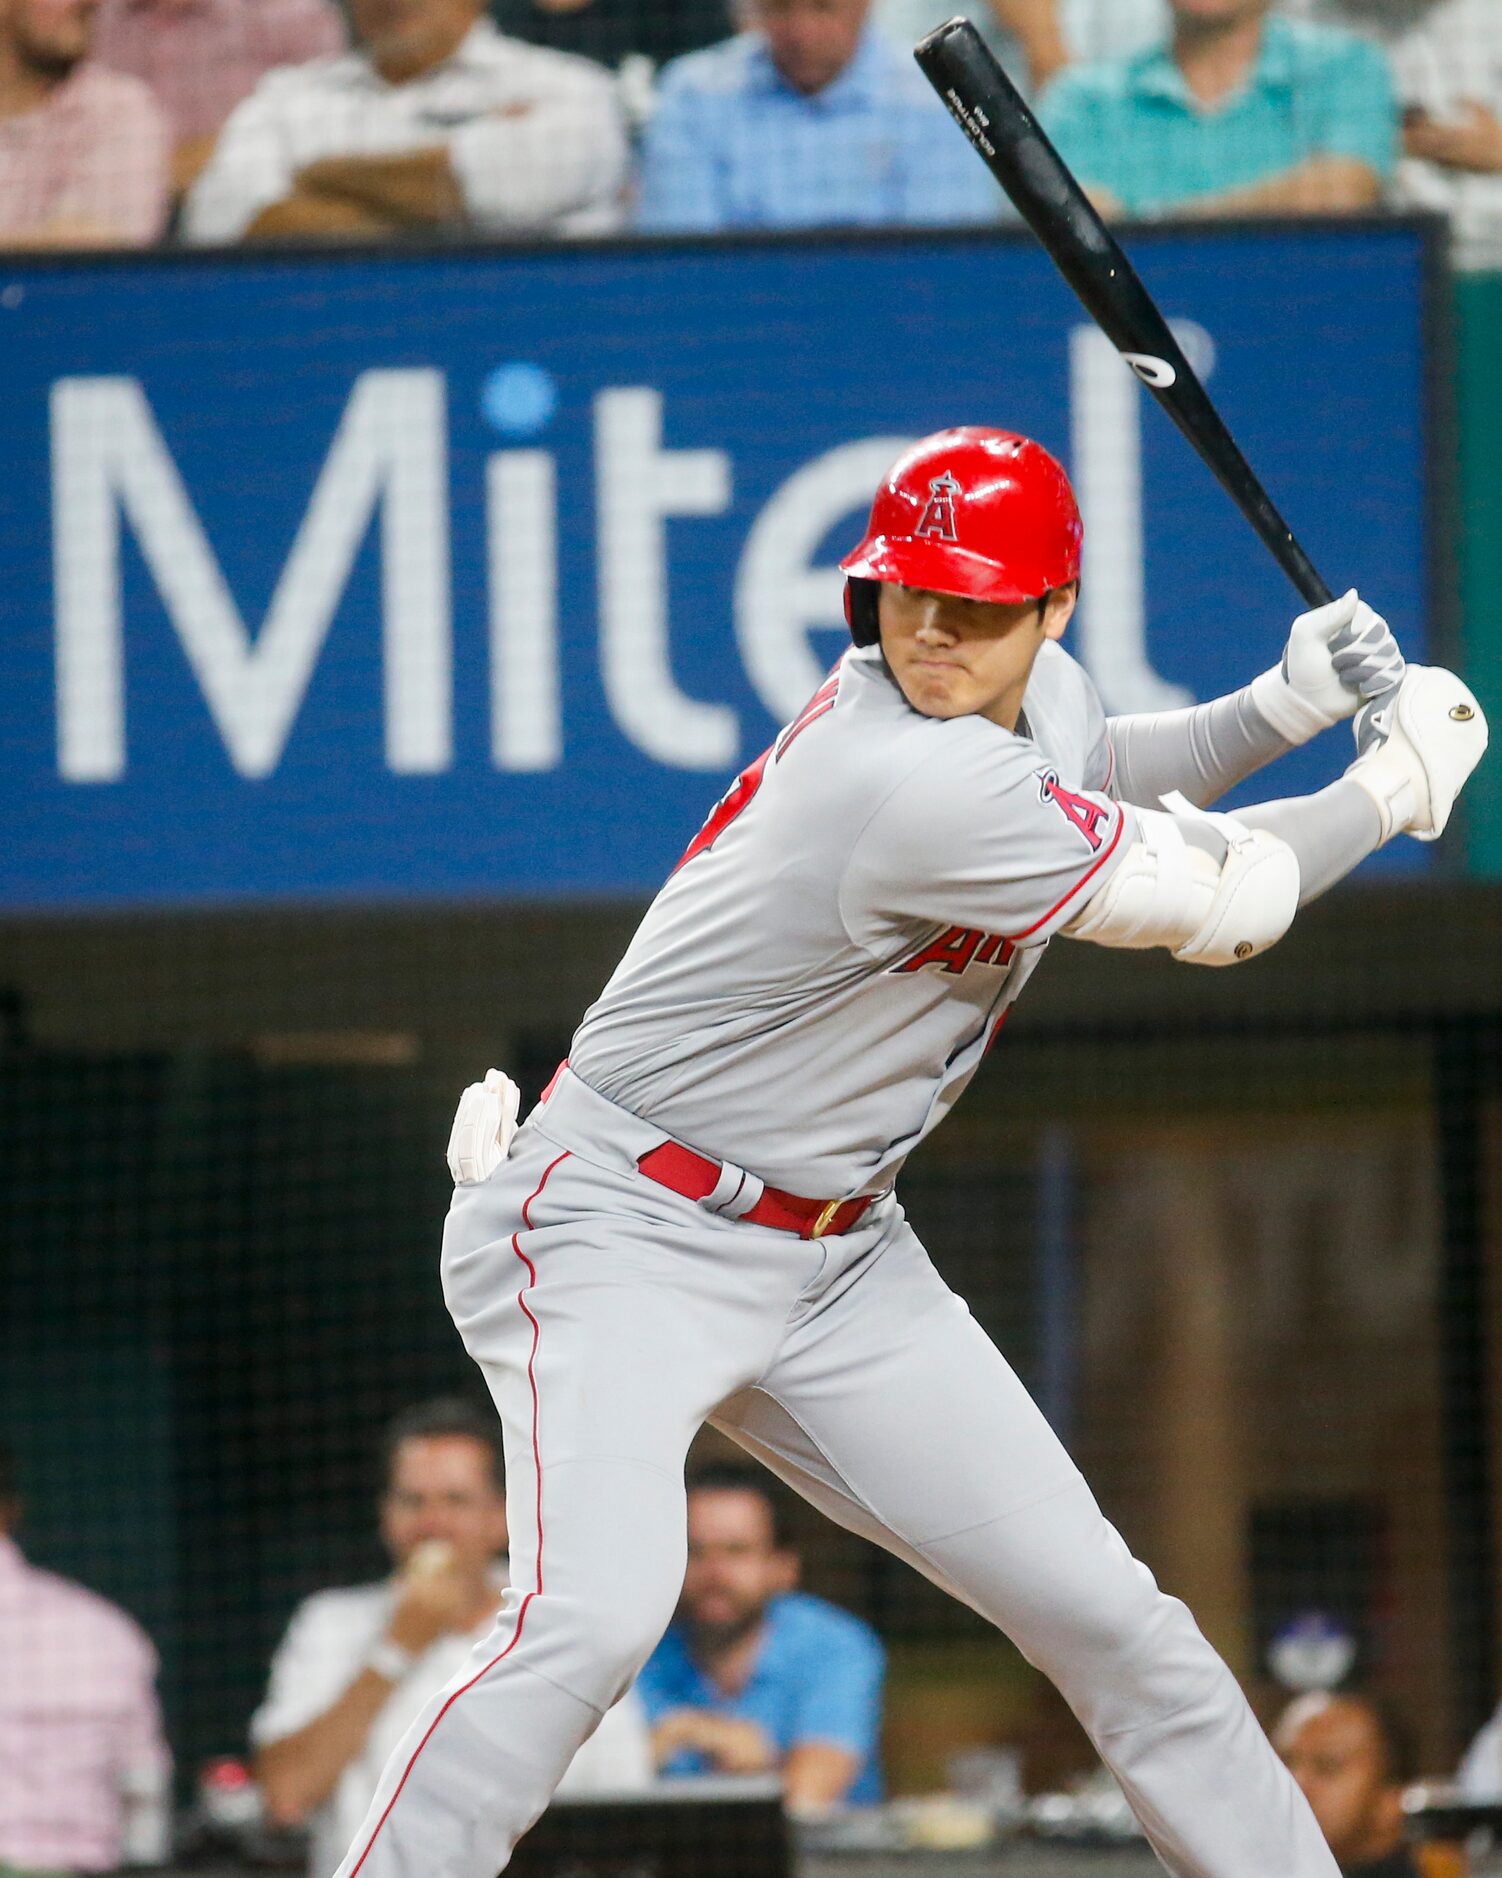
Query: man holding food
357	1664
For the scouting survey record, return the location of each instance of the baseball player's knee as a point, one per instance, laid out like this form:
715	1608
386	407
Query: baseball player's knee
1122	1651
1060	1580
600	1637
604	1607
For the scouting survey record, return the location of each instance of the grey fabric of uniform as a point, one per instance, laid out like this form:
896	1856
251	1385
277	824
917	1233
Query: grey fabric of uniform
610	1317
1216	745
1330	832
779	957
1202	750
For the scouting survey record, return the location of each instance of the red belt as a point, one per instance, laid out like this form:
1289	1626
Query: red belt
694	1176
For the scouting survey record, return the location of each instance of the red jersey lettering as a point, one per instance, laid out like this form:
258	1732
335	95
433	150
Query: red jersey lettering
995	951
736	799
958	949
739	796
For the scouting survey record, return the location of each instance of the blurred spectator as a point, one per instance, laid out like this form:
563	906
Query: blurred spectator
356	1665
1034	39
753	1675
613	31
1352	1760
436	122
813	118
201	57
84	1771
1239	112
83	151
1447	55
1479	1776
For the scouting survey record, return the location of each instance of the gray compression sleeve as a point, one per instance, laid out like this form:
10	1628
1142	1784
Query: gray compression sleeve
1200	751
1330	832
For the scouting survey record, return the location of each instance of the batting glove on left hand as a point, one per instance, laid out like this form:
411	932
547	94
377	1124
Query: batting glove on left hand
1337	658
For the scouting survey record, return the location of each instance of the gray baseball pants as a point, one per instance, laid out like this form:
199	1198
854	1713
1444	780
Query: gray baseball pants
611	1318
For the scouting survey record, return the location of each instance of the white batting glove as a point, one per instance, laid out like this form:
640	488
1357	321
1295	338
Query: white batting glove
1436	735
484	1123
1337	658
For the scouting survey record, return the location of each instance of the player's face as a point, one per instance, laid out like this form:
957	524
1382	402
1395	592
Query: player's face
811	41
50	36
441	1487
966	658
735	1567
1333	1750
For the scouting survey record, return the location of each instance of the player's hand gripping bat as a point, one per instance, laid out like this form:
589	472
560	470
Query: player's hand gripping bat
992	113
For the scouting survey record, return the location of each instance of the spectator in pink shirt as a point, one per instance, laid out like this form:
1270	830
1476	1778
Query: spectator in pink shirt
83	151
201	57
84	1770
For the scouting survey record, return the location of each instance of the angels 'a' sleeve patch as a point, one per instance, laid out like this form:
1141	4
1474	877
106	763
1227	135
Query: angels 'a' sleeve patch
1088	815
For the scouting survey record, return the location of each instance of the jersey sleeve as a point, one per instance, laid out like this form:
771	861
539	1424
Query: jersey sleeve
1100	754
982	834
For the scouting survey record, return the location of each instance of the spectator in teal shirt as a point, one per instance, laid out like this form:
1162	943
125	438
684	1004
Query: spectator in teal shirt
1238	113
753	1676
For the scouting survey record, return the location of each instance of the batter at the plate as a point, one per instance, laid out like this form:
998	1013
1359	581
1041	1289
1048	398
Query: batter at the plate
698	1222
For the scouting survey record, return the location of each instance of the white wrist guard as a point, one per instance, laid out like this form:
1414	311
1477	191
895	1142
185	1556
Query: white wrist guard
484	1123
1295	718
1166	892
1437	736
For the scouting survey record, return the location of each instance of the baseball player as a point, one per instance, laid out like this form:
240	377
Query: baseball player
698	1221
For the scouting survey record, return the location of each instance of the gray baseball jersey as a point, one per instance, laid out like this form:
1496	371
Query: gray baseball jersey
822	974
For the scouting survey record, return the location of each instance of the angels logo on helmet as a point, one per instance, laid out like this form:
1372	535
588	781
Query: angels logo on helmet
937	519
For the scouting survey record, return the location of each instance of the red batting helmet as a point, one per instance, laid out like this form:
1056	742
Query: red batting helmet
984	514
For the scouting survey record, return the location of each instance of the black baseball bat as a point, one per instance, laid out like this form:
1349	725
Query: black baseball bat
987	106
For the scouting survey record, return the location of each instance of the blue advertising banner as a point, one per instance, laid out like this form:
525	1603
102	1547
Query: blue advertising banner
479	574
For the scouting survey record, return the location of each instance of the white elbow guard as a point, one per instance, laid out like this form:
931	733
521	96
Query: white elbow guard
1167	892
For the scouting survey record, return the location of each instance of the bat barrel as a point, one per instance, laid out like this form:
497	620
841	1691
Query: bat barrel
995	117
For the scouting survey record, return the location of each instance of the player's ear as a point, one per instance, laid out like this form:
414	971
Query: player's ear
1058	608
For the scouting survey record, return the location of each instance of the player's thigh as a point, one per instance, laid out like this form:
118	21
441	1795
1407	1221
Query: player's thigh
606	1324
1053	1574
893	1410
767	1432
911	1404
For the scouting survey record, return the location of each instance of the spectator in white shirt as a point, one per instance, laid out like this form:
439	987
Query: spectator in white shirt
1447	60
356	1666
436	122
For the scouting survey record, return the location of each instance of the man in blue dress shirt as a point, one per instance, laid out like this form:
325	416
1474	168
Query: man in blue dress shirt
754	1676
811	119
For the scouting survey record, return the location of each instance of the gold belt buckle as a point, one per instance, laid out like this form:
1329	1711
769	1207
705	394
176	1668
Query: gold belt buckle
824	1219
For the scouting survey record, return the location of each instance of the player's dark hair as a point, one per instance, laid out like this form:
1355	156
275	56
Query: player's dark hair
1400	1758
735	1477
445	1416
